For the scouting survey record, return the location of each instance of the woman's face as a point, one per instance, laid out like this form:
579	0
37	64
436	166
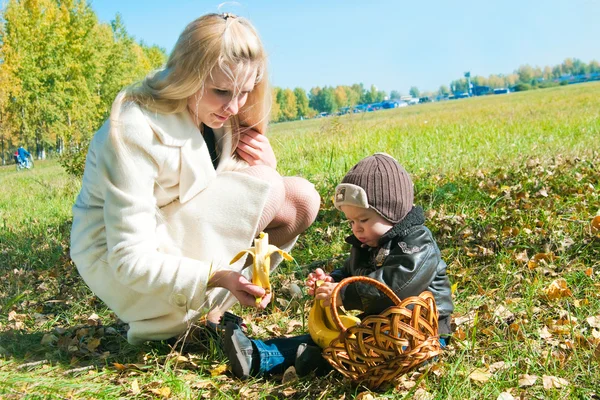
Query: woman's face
221	97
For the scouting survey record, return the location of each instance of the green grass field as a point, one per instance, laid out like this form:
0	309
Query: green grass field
510	185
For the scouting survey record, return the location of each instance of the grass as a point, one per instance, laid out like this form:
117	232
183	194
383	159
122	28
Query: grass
510	185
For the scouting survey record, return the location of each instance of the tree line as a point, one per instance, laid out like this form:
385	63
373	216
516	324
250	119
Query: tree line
295	104
526	76
60	70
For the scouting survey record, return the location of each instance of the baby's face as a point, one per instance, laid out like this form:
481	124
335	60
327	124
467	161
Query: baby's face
366	224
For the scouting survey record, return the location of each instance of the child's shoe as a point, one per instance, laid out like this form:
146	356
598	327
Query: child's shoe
239	350
309	359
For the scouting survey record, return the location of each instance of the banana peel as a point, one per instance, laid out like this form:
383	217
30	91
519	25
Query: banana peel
321	326
261	263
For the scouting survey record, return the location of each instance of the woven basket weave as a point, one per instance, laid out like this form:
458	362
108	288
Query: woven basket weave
385	346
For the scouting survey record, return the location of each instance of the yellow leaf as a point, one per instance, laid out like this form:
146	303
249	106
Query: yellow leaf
596	224
119	367
135	387
527	380
93	344
535	260
480	375
557	289
163	391
218	370
589	271
454	287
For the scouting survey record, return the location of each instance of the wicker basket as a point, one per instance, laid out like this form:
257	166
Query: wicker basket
385	346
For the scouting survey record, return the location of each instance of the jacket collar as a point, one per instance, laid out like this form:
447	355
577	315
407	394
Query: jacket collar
415	217
179	130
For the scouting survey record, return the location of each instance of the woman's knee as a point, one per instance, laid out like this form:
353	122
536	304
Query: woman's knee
268	174
304	198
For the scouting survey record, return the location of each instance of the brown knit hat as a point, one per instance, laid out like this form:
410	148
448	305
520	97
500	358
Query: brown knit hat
378	182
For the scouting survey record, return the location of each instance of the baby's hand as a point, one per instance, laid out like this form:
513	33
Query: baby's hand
324	293
313	277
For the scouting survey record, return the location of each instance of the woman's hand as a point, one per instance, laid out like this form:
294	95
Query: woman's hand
324	292
313	277
255	149
244	290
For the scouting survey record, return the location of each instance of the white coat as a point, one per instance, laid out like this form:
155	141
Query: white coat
154	218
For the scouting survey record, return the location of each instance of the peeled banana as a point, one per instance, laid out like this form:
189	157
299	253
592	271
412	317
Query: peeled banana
321	326
261	263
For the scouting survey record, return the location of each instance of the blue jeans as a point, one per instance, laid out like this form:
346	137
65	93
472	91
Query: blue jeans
277	355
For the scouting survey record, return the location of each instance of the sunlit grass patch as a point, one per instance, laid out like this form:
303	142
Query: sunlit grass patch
510	187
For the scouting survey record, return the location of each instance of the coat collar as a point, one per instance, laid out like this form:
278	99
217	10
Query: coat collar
179	130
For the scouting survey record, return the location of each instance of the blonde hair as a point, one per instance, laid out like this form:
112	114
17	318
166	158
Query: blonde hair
212	41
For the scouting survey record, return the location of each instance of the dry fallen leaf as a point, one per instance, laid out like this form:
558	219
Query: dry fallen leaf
498	366
292	325
544	333
422	394
596	224
505	396
522	257
163	391
93	320
93	344
536	259
557	289
364	396
527	380
594	321
553	382
480	375
289	375
135	387
218	370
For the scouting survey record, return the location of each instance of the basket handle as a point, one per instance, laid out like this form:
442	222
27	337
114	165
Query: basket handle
364	279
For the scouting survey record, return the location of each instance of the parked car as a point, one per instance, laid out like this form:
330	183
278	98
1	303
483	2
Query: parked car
425	99
390	104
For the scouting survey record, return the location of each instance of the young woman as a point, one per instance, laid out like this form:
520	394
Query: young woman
180	179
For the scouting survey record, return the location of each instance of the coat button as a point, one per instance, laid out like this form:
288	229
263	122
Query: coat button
179	300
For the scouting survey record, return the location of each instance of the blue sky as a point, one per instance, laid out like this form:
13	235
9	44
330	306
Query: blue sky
393	44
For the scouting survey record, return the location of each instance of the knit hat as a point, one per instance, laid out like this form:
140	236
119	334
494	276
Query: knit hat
378	182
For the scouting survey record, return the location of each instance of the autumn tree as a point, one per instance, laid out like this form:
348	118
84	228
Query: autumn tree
275	108
63	69
303	110
287	104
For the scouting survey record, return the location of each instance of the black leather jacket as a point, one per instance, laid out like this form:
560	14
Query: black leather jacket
407	260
